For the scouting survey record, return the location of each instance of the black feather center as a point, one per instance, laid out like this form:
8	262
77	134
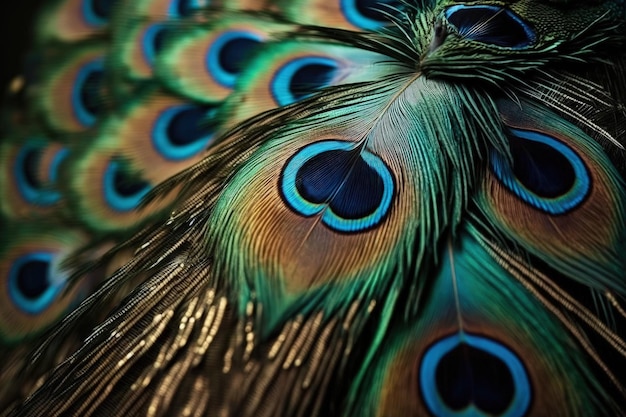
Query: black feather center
353	189
541	168
491	25
189	125
32	279
235	53
307	79
467	375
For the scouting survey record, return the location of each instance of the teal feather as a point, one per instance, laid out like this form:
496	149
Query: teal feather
203	61
471	313
439	231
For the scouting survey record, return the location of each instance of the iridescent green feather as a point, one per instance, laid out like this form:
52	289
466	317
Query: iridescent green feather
440	235
475	308
203	57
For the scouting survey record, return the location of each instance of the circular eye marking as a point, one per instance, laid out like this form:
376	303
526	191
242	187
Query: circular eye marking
494	25
301	77
228	54
350	188
546	173
97	12
122	192
181	132
466	375
185	8
153	40
87	92
367	14
26	170
32	286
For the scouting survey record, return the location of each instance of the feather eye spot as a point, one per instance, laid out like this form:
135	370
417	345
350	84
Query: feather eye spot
493	25
185	8
181	132
121	191
30	159
545	172
464	374
31	286
229	53
87	92
153	40
27	172
97	12
367	14
351	189
301	77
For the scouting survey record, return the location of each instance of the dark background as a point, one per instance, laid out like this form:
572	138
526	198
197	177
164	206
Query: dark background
16	24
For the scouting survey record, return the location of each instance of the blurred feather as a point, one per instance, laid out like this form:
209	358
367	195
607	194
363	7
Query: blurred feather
68	95
30	176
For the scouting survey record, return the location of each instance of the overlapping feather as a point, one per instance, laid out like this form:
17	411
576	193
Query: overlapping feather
441	234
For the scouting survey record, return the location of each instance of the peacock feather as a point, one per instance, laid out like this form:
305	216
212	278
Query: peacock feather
311	208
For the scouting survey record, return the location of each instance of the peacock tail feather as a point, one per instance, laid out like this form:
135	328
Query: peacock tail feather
311	208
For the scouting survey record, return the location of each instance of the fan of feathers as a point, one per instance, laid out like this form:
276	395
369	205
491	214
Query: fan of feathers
316	208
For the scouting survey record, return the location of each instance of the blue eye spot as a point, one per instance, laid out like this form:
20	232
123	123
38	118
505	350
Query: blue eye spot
301	77
229	53
29	159
26	170
493	25
545	172
185	8
31	286
121	191
87	93
97	12
367	14
468	375
153	40
181	132
350	188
